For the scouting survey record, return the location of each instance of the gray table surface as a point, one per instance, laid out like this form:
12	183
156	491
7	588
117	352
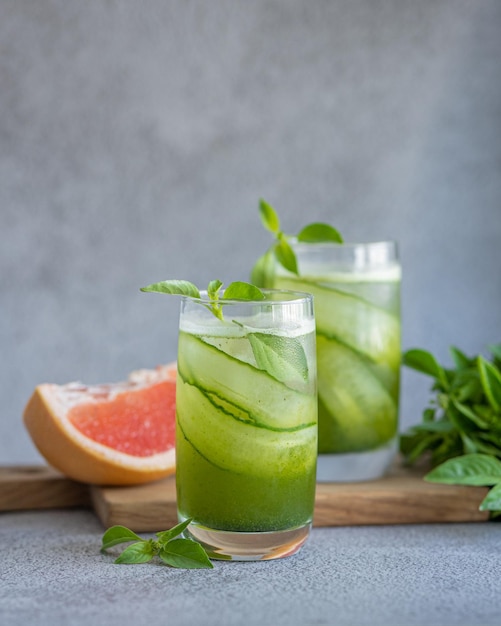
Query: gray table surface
52	572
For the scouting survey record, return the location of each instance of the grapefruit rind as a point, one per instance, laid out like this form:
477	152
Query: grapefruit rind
74	454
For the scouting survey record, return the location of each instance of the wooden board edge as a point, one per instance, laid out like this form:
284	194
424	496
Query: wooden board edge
34	487
337	506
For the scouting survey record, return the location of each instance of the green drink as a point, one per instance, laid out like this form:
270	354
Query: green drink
246	438
356	289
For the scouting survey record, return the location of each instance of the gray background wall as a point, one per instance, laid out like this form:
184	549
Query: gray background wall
136	138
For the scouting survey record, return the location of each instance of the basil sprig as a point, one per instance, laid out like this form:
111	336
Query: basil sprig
281	250
464	413
461	429
169	547
235	291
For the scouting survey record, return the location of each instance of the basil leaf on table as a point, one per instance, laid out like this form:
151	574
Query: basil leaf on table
172	550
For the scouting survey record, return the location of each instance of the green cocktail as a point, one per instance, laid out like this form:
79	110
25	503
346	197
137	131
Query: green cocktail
246	439
356	289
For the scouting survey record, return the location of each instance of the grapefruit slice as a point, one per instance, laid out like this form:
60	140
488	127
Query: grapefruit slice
108	434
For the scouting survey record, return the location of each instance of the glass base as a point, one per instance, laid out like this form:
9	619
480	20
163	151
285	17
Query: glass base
241	546
356	466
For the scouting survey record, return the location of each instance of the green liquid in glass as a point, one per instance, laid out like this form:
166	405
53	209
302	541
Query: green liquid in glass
246	442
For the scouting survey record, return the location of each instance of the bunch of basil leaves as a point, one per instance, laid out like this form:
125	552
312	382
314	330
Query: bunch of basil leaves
461	427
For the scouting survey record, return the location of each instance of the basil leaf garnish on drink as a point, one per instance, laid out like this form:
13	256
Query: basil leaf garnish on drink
269	217
285	254
262	272
235	291
242	291
319	232
281	250
169	547
174	287
283	358
213	289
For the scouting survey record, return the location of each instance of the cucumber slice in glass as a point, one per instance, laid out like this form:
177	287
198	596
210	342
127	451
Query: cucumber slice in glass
270	403
228	442
356	411
352	320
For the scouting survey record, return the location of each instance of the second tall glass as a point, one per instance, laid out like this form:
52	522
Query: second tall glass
356	289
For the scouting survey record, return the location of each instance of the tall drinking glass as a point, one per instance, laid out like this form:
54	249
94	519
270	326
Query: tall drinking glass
246	438
356	289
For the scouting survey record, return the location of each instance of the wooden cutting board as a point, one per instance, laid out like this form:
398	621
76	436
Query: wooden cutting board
402	497
39	487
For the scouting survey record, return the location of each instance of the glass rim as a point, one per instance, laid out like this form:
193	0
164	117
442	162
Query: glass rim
348	245
297	297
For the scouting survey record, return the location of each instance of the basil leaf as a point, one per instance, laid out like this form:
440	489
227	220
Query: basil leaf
185	553
285	255
242	291
283	358
177	552
413	446
471	390
460	421
269	217
262	272
491	382
140	552
450	446
175	287
495	350
470	414
319	232
492	501
315	232
429	415
213	289
474	424
470	469
167	535
460	359
482	445
118	534
469	444
439	426
424	362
